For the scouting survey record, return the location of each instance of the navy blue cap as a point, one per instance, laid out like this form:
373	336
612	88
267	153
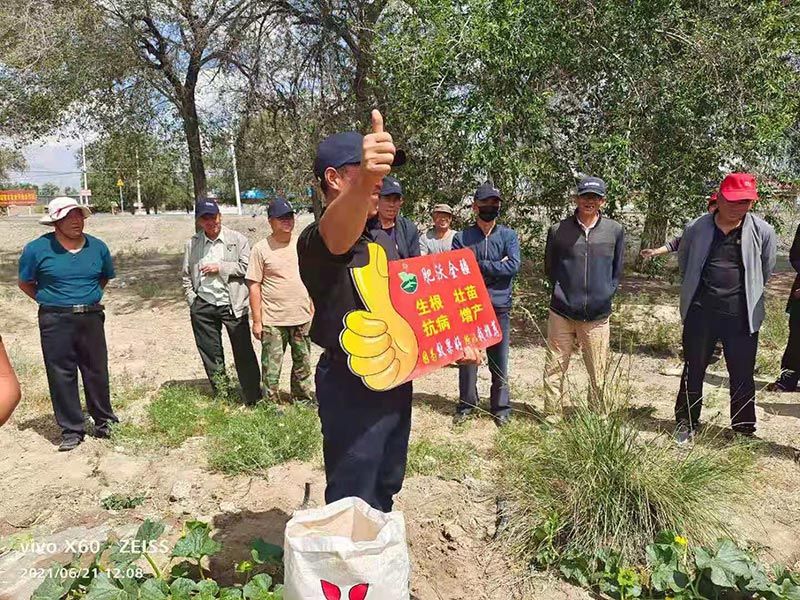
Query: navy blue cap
487	190
592	185
391	186
342	149
279	208
205	207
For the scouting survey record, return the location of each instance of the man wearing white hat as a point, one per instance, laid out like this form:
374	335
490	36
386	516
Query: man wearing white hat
65	272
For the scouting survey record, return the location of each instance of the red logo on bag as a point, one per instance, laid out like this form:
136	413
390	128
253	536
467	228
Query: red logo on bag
332	592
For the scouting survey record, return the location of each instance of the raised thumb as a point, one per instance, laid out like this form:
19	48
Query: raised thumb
377	121
372	280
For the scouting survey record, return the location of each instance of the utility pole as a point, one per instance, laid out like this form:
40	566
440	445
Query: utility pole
138	183
83	159
236	179
121	183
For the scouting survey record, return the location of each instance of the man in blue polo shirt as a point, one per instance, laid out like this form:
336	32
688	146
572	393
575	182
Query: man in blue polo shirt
65	272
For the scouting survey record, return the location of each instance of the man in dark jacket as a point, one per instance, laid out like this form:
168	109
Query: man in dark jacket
400	230
496	249
583	261
790	363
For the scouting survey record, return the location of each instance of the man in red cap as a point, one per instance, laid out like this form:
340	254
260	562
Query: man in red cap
725	258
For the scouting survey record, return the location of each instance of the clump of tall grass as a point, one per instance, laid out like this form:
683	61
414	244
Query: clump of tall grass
594	481
256	439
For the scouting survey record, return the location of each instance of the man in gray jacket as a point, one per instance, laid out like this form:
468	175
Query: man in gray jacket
214	268
725	259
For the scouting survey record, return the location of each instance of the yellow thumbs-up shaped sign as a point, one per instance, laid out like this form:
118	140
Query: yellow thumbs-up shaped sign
381	346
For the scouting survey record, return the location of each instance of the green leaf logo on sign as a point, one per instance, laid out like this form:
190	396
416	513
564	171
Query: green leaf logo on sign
409	282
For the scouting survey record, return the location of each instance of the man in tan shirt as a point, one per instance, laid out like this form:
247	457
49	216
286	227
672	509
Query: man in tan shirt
280	305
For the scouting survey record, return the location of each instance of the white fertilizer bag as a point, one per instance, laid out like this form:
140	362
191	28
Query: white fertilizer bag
346	551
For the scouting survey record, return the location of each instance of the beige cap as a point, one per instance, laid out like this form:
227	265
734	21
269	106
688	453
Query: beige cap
443	208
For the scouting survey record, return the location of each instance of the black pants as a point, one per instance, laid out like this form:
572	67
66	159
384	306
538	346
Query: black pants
497	357
364	435
790	363
207	322
72	343
701	331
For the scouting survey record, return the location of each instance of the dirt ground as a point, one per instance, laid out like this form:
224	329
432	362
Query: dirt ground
450	523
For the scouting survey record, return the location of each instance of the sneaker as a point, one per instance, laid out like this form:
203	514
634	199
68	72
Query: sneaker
683	434
460	418
69	443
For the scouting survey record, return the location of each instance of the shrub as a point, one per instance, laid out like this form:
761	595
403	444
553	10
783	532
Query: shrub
598	483
252	441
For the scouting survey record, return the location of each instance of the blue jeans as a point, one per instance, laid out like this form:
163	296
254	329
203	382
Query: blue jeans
499	400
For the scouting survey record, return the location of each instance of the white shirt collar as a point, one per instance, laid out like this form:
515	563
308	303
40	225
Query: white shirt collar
220	238
592	226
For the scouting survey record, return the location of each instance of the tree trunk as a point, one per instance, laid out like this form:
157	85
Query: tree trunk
654	234
316	201
191	127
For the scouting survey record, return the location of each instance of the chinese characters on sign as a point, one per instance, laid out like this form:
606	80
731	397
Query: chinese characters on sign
448	308
23	197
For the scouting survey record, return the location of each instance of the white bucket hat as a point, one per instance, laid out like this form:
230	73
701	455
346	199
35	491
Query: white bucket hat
60	207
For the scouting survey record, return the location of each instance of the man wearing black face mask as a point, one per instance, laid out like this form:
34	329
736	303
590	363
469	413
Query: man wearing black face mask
496	248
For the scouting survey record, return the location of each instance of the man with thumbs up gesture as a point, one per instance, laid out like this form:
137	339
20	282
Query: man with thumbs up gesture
365	431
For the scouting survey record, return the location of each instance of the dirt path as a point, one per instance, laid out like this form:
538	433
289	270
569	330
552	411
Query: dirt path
450	523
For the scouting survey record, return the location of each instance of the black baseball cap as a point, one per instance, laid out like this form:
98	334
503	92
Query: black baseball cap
205	207
487	190
279	208
592	185
390	186
342	149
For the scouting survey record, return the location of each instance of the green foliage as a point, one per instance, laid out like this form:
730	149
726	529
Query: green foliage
600	483
674	569
772	338
113	156
528	93
446	460
255	440
195	542
174	415
239	440
115	572
634	327
120	502
178	413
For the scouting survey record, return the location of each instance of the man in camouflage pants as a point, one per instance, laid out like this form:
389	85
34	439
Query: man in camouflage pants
280	305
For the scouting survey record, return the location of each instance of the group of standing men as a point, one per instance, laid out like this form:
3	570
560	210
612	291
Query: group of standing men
300	289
